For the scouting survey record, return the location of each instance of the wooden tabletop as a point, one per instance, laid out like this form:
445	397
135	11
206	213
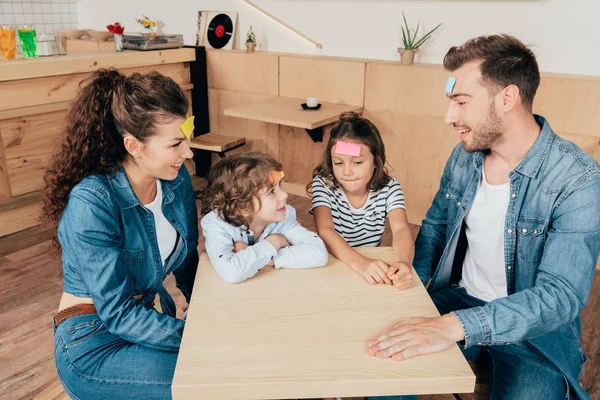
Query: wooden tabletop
288	111
286	334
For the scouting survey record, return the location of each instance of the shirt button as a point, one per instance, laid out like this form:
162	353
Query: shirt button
514	195
509	230
509	267
524	230
507	343
479	343
535	232
447	196
458	204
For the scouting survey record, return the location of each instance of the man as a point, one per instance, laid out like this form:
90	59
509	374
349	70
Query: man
510	243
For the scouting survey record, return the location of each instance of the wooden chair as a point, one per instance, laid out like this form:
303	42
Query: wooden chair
216	143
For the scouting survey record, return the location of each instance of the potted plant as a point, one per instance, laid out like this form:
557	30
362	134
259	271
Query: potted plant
411	44
250	40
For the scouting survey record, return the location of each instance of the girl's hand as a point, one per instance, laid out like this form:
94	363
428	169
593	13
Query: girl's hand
373	271
239	246
401	275
278	241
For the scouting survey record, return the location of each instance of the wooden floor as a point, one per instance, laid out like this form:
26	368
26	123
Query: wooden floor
30	289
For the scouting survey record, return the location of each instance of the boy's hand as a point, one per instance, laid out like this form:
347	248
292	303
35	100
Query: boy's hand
401	275
239	246
278	241
373	271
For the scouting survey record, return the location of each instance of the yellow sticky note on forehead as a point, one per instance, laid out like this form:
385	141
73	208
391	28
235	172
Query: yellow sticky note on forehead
188	127
275	176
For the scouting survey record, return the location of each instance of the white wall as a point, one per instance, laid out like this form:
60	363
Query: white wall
565	34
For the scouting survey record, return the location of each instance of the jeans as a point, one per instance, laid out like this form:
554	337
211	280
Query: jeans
94	364
516	370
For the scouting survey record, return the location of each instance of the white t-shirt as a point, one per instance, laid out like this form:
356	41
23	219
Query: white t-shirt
483	273
362	226
166	235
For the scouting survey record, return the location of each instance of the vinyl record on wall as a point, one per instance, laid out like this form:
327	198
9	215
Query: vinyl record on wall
218	29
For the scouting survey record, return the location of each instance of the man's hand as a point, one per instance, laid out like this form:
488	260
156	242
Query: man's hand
372	271
401	275
239	246
416	336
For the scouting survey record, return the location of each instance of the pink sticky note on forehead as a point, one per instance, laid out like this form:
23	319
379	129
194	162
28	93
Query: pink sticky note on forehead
347	149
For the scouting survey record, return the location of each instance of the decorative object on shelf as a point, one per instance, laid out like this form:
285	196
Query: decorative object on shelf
73	33
302	35
250	40
61	43
307	107
27	37
311	104
149	25
100	35
411	44
117	30
216	29
8	42
312	101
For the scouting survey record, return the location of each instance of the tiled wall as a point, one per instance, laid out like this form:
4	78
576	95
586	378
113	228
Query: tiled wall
47	16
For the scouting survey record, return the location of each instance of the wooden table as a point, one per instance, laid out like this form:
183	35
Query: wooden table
287	334
289	112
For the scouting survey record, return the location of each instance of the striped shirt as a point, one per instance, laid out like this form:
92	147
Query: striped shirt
362	226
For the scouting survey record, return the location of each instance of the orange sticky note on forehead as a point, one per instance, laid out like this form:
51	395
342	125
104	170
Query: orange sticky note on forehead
188	127
275	176
347	149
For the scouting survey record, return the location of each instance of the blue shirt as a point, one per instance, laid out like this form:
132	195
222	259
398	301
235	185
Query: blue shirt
110	253
551	246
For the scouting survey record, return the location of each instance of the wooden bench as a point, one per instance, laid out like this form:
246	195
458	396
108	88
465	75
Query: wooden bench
216	143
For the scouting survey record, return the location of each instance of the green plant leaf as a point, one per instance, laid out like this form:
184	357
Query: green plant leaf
415	35
427	36
404	39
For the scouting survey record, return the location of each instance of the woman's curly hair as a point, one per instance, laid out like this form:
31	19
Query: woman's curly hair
108	106
232	184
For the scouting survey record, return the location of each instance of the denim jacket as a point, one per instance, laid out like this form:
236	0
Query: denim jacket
551	246
110	253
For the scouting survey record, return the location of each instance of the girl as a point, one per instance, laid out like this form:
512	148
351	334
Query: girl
127	218
352	194
247	223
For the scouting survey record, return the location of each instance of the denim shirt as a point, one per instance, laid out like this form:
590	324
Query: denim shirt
551	246
110	253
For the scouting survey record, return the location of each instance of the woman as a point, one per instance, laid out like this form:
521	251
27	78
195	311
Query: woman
127	218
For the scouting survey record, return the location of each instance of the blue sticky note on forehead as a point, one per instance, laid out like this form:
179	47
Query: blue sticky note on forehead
450	84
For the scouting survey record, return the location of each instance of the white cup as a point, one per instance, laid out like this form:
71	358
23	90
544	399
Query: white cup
312	101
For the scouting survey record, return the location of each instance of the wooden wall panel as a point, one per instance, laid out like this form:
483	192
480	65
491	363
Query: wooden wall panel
256	72
417	149
28	145
37	91
20	218
299	154
259	135
5	191
570	103
336	81
411	89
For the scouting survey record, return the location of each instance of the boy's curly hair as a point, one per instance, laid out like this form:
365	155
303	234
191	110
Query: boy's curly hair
233	182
